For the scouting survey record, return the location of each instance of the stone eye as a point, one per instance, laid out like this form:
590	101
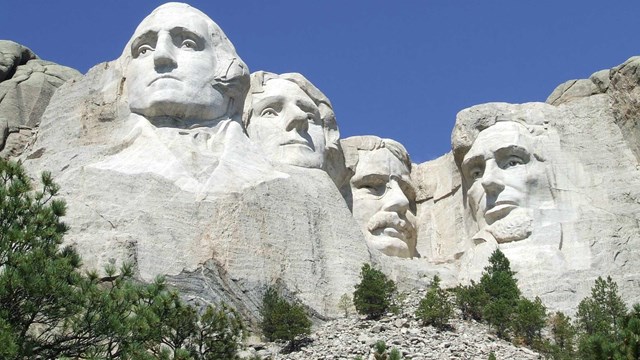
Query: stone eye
374	188
311	117
143	49
476	174
189	44
269	112
514	161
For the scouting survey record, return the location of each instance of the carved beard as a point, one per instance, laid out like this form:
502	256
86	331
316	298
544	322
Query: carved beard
517	225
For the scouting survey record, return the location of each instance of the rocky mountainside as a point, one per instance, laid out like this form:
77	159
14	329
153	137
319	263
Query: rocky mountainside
347	338
168	169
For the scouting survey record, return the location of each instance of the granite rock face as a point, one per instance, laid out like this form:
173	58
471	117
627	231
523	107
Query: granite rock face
26	86
554	186
210	182
173	185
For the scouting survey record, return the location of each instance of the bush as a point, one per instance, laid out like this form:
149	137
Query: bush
345	304
381	353
374	293
563	337
282	320
471	299
601	319
435	309
529	320
501	288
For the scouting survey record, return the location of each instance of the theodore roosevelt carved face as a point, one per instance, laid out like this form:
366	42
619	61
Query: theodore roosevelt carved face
290	119
383	197
179	63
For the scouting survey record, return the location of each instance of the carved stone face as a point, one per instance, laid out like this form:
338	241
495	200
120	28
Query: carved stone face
384	203
173	62
504	180
286	123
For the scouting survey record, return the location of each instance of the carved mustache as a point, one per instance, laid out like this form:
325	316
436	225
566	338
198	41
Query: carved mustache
383	220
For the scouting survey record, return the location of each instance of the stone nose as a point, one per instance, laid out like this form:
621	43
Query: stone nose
164	57
492	179
394	198
296	118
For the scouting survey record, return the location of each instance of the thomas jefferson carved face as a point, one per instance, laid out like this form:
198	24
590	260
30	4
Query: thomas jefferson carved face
172	67
287	125
384	202
504	179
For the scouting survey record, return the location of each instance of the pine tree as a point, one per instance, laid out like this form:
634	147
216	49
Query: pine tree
374	294
282	320
38	279
471	299
563	335
435	309
601	318
50	309
529	320
501	287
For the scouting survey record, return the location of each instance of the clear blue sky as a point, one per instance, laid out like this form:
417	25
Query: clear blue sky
397	69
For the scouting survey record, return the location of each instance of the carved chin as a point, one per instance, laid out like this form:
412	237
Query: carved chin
518	225
299	156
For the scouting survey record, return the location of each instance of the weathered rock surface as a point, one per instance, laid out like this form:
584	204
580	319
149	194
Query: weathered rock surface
201	204
225	235
26	86
588	224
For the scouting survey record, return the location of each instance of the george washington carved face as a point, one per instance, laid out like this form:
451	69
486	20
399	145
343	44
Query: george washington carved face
176	55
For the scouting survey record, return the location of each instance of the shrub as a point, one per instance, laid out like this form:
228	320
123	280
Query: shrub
435	309
374	293
601	319
282	320
470	299
345	303
381	353
529	320
563	337
501	287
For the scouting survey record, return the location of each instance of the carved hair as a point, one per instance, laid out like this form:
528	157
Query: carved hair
260	78
351	147
470	122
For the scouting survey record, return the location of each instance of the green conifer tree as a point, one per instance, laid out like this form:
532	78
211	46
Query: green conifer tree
49	309
563	336
601	319
435	309
501	287
529	318
282	320
374	294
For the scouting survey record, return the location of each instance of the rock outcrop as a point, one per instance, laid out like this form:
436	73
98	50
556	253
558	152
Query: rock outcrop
560	198
190	197
26	86
161	168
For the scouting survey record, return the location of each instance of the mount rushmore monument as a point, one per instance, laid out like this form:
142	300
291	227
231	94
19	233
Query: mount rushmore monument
176	158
